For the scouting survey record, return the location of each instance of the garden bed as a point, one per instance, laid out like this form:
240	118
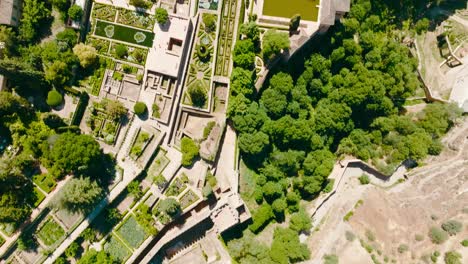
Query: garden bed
50	233
104	12
124	33
139	144
187	199
136	19
117	249
45	181
134	54
177	186
159	163
131	232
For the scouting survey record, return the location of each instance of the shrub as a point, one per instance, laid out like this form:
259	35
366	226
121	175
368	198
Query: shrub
203	52
121	51
197	95
452	227
261	217
210	22
350	236
364	179
464	243
75	12
139	108
54	98
294	22
72	250
370	236
437	235
190	151
402	248
418	237
348	216
161	15
140	3
330	259
452	257
422	25
329	187
207	129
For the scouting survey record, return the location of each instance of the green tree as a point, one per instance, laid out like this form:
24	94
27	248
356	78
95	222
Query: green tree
8	38
253	144
57	73
34	12
160	181
437	235
209	20
286	247
79	195
422	25
190	151
75	12
273	43
115	109
453	257
272	191
452	227
86	54
244	54
140	4
279	206
75	154
294	22
261	217
170	206
21	73
68	36
197	95
134	189
121	51
251	30
94	257
72	250
300	222
161	15
242	82
274	102
139	108
54	98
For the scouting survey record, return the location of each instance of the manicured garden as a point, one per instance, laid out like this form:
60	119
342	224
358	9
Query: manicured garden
50	233
131	232
177	186
2	240
136	19
306	8
201	64
104	120
104	12
188	198
123	33
225	42
39	196
139	144
117	249
159	163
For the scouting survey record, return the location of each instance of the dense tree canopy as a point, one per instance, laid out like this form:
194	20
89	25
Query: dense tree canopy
79	195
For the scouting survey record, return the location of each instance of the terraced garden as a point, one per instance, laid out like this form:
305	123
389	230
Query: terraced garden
226	37
139	144
201	62
135	19
188	198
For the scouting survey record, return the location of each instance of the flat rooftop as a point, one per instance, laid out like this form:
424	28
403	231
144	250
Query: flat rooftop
166	55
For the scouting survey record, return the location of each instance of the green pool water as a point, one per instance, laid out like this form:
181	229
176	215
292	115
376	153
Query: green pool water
279	8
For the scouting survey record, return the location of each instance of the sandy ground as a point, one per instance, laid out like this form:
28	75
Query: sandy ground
438	190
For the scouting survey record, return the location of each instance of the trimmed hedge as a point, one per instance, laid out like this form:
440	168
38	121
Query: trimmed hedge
54	98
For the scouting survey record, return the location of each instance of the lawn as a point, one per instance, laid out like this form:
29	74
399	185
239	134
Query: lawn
39	196
132	232
45	181
278	8
123	33
2	240
116	249
50	233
